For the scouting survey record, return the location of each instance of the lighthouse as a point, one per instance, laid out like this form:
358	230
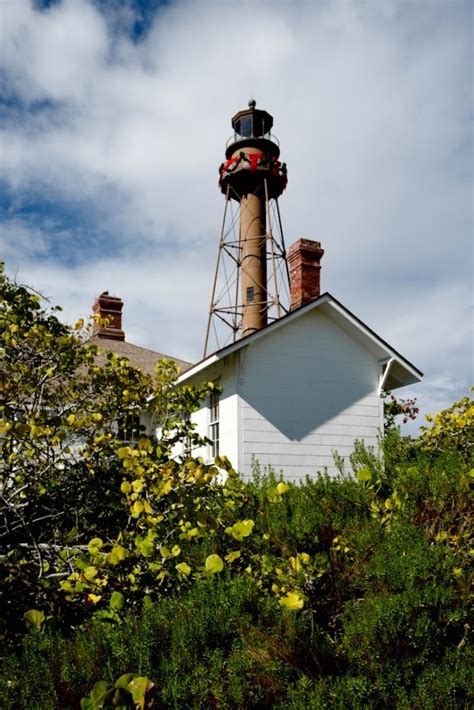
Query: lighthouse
251	270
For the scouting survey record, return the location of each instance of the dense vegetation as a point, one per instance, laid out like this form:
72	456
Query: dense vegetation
117	559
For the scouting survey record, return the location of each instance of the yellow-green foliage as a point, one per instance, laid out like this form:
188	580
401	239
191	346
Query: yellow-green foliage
90	521
77	507
452	428
130	692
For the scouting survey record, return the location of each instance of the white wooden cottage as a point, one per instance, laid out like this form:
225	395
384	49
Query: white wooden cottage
298	390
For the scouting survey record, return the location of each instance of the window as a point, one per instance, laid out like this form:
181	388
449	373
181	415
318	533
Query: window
214	424
246	126
188	444
128	429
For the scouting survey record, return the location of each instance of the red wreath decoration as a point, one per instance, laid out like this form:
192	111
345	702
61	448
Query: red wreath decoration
254	160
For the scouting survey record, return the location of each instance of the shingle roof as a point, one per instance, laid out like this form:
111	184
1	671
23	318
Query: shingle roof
143	358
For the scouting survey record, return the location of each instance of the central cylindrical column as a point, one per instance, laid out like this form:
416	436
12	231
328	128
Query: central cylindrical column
254	263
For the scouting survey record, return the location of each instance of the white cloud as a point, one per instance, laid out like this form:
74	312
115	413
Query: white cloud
17	237
371	105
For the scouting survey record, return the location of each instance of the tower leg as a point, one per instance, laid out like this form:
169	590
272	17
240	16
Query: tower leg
254	263
216	273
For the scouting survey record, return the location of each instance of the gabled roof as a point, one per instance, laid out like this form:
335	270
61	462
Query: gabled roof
143	358
399	372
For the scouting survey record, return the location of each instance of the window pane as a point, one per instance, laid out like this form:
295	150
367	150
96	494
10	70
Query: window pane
246	126
214	424
129	429
214	407
214	437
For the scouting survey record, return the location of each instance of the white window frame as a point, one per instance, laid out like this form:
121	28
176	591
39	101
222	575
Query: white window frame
214	421
187	444
131	434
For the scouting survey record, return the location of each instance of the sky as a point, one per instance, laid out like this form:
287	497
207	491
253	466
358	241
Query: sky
113	120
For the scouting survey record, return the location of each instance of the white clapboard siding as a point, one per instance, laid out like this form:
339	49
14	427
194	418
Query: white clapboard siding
304	392
223	373
293	398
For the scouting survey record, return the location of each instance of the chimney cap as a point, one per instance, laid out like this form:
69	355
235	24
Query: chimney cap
305	245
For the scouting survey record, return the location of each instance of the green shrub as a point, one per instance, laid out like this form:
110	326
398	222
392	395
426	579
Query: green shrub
380	563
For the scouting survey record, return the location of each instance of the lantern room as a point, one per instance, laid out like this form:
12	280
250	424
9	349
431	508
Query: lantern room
252	127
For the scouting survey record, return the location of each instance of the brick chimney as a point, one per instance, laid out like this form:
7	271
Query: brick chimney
110	308
304	258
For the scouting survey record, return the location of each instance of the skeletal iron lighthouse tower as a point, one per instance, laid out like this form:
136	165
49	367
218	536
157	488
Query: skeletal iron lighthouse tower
251	282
